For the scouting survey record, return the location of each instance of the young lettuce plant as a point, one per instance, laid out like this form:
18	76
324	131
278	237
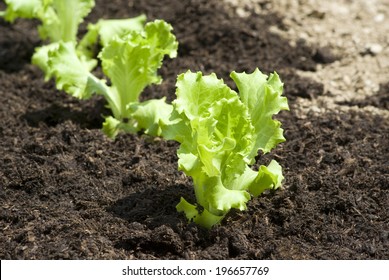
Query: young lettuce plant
130	61
220	132
131	54
59	18
59	22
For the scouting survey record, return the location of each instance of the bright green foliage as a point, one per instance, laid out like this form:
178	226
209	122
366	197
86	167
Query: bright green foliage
59	23
22	9
72	74
261	95
130	62
132	52
59	18
220	134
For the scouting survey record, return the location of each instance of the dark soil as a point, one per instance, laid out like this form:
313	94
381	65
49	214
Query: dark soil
68	192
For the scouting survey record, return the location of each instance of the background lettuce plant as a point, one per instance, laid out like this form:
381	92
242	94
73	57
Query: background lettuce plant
59	21
131	53
130	62
59	18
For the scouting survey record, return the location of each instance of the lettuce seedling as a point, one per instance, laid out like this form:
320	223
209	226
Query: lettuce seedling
221	132
130	61
59	18
59	22
131	54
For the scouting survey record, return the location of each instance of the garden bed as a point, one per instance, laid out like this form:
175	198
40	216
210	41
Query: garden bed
69	192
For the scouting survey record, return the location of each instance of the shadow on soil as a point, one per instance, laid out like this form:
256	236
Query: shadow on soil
16	47
152	220
89	117
153	206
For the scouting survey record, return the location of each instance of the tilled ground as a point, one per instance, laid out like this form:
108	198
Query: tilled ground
68	192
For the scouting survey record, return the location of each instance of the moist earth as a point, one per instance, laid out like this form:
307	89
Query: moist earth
69	192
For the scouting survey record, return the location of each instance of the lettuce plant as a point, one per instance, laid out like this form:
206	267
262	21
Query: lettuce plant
59	18
59	21
131	53
221	132
130	61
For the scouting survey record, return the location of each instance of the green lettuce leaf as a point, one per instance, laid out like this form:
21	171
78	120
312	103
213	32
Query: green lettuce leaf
59	23
262	97
40	58
60	19
72	74
206	219
21	9
151	115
